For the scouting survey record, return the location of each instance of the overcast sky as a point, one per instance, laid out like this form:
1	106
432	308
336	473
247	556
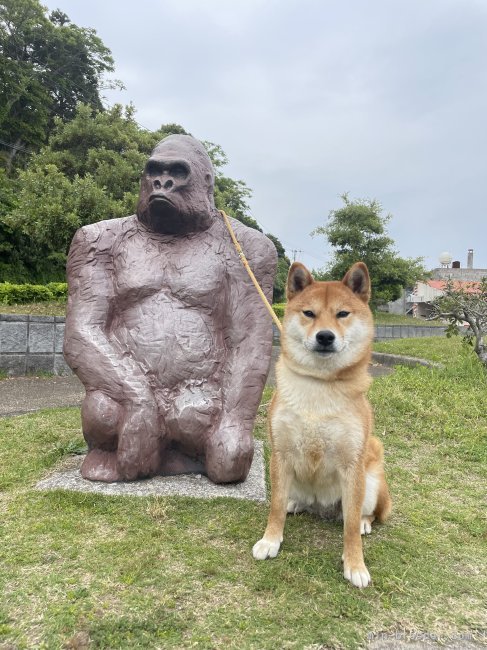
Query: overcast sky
384	99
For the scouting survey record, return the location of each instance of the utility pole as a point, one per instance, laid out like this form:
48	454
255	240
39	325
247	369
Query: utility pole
294	252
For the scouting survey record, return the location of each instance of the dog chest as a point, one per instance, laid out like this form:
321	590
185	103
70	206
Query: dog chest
325	440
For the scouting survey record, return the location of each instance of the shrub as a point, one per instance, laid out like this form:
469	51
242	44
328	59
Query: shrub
279	308
18	294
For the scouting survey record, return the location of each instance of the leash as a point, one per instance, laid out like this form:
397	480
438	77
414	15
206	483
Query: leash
241	254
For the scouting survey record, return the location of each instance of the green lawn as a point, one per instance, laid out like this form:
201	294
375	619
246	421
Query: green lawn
434	349
383	318
48	308
89	571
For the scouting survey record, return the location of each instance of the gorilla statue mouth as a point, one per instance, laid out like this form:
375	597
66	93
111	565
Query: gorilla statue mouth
164	216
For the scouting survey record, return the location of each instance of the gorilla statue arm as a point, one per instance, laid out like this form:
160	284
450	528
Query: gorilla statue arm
88	318
250	336
117	388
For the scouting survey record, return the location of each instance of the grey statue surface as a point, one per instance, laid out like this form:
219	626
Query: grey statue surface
166	331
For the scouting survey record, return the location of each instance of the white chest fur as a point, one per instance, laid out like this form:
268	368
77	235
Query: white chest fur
318	429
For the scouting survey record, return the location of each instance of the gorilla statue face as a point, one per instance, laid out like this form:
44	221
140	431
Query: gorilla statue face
176	189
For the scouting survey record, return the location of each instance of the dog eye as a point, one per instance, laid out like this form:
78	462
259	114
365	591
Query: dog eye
308	313
343	314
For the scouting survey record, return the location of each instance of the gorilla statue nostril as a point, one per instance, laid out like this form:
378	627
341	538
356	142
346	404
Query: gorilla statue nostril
325	338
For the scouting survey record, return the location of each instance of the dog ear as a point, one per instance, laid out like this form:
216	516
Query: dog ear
298	279
357	279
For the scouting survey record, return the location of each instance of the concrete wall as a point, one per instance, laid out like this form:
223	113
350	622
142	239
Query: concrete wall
462	274
32	344
387	332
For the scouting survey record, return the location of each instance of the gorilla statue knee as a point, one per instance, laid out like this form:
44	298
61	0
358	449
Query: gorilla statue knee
166	331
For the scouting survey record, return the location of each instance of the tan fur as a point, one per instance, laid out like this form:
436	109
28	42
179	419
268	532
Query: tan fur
320	421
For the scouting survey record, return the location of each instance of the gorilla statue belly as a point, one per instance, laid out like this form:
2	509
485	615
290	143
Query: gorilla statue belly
166	331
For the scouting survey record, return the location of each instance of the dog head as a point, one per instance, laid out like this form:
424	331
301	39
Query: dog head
327	325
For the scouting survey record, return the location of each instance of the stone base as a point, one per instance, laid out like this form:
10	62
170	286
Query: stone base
191	485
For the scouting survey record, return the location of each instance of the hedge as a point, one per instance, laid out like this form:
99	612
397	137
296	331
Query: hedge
18	294
279	308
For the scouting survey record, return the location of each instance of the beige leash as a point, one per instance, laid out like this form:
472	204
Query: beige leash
249	270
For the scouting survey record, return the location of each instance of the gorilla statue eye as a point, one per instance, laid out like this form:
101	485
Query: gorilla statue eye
343	314
308	313
178	170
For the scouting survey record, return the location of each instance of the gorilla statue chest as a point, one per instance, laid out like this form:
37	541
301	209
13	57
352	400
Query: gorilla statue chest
176	272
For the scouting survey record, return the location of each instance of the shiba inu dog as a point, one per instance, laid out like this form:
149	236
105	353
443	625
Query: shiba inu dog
320	421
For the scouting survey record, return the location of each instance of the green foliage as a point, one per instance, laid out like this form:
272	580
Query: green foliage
283	264
321	275
279	308
20	294
47	66
279	292
357	232
89	171
22	259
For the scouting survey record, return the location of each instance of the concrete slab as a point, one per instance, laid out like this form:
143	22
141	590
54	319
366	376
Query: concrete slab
191	485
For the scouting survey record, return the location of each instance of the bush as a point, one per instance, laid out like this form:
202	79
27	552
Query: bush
19	294
279	308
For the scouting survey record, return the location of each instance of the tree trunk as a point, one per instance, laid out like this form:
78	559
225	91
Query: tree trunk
481	351
14	149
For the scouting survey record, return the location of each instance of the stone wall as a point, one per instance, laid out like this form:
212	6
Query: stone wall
32	344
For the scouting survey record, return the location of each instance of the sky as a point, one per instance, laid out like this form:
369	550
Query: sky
383	99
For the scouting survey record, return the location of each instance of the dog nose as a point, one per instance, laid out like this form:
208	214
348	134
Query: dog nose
325	338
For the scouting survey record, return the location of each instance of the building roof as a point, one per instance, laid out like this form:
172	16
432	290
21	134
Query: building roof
468	287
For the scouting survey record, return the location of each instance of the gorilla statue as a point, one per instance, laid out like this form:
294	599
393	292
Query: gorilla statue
166	331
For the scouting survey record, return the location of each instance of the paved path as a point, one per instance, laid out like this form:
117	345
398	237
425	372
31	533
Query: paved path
27	394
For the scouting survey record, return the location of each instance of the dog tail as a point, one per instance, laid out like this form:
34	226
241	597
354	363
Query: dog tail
383	507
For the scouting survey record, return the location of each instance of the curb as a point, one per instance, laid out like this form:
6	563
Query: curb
391	360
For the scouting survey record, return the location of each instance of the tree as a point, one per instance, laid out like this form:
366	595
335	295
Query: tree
465	303
232	196
47	66
283	264
357	232
90	170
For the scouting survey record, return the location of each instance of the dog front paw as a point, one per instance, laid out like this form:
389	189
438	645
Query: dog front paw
358	575
265	548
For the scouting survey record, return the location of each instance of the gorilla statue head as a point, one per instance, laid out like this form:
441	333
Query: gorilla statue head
176	189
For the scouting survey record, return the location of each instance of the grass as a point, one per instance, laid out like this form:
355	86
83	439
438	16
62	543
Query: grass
83	570
434	349
48	308
383	318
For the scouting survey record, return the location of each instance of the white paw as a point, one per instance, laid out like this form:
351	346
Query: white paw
358	576
265	548
365	526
